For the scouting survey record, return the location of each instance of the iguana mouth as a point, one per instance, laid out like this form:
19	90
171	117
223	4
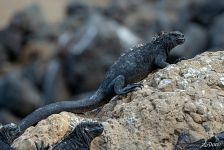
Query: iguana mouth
180	40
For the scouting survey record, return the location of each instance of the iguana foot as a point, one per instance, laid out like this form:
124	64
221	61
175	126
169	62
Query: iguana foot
40	146
179	59
9	132
131	87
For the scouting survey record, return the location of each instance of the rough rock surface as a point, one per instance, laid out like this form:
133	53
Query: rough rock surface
50	131
188	96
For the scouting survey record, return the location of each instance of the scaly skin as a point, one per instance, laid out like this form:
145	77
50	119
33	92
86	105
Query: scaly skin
81	137
185	142
131	67
5	146
6	133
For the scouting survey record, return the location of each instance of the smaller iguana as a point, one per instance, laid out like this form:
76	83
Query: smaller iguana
185	142
6	134
79	139
121	78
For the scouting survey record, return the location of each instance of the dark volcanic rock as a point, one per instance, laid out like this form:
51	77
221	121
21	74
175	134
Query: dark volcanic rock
74	9
11	42
216	32
88	56
7	117
18	94
204	11
119	9
25	22
84	72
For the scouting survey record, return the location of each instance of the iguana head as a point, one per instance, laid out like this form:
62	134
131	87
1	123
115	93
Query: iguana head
89	130
182	141
8	133
171	39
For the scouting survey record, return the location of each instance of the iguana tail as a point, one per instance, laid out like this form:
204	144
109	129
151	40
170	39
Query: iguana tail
78	106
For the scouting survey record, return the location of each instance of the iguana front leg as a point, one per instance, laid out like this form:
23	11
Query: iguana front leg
40	146
160	61
120	88
179	59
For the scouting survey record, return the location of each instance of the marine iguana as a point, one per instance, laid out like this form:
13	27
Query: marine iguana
80	138
6	136
131	67
185	142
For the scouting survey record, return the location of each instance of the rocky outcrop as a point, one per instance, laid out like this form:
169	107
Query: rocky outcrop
48	131
188	96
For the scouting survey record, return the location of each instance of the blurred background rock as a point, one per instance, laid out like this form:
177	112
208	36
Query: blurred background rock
57	50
